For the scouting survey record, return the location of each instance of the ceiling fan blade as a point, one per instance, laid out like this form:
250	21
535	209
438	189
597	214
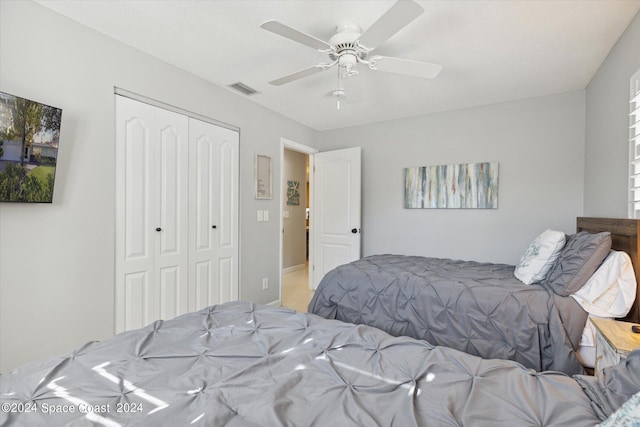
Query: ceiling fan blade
394	19
297	75
295	35
407	67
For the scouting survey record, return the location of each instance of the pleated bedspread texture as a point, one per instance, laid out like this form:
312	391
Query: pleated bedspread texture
239	364
479	308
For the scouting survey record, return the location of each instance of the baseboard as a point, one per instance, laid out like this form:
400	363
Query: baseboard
276	303
293	268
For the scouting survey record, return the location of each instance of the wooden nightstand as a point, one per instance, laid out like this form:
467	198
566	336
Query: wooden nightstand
614	341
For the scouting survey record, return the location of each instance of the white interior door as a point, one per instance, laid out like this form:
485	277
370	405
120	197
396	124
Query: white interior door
213	258
336	223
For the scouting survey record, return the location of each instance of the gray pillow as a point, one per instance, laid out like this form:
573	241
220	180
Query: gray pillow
579	259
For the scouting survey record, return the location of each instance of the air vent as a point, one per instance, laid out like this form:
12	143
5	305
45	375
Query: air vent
241	87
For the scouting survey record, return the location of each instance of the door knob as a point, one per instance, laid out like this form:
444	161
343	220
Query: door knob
354	230
158	229
214	226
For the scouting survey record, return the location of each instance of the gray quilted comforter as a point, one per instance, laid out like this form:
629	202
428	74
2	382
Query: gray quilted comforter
479	308
244	365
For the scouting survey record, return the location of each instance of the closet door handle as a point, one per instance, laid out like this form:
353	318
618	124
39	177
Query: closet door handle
158	229
214	226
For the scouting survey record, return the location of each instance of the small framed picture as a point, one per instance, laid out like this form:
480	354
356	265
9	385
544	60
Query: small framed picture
263	177
293	193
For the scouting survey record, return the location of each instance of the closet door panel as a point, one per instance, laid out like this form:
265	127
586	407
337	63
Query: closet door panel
136	289
151	214
137	189
204	227
227	251
203	283
172	212
172	293
226	276
204	205
227	223
135	198
213	198
169	200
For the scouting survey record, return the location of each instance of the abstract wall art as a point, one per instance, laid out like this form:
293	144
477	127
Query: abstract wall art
461	186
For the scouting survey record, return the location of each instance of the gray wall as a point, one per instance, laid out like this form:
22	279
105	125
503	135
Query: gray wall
294	248
607	128
539	144
57	260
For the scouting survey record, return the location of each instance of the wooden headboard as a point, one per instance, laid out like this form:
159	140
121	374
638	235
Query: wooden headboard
624	237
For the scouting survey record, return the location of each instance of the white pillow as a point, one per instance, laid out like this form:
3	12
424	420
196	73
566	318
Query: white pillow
611	290
540	256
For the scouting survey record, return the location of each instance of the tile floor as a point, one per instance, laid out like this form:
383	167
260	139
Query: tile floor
295	290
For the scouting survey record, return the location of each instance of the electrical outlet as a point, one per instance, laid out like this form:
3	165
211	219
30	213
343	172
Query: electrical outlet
265	283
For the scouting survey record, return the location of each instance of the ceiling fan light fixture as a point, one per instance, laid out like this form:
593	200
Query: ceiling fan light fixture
347	62
339	94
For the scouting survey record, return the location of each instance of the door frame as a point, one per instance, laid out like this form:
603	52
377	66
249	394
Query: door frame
309	151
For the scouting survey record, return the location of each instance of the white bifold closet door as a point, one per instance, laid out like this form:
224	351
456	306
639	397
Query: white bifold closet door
176	214
213	221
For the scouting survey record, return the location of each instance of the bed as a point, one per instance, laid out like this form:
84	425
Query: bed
478	308
240	364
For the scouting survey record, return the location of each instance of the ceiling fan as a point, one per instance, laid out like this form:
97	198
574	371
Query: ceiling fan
350	46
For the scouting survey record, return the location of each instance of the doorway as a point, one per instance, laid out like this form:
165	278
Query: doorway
296	252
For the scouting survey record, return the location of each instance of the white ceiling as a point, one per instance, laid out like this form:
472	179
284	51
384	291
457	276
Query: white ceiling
491	51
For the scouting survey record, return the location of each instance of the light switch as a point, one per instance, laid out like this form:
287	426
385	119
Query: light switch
260	216
266	215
